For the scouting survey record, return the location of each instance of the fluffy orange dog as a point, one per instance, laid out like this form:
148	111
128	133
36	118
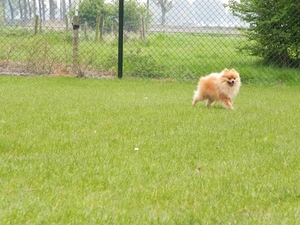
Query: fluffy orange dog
222	87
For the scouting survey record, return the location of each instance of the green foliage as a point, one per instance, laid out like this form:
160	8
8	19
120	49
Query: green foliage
133	10
88	11
141	64
17	32
110	151
274	31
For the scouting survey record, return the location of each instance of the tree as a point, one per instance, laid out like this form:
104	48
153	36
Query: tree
30	13
132	12
63	9
20	8
88	11
274	29
11	9
34	8
2	10
165	6
25	15
42	13
52	8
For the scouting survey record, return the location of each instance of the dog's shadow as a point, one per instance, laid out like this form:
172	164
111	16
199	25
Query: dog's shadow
214	106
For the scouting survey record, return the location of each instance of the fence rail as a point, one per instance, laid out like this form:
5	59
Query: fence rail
187	40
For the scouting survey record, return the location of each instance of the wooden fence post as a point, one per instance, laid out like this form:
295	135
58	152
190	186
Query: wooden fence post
97	26
142	27
36	24
101	27
67	23
85	30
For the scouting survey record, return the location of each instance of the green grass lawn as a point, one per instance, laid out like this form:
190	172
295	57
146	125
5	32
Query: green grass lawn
87	151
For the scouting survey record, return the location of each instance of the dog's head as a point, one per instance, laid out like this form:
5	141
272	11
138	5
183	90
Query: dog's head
231	77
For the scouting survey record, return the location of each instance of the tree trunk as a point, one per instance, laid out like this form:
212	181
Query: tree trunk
163	15
34	8
63	9
40	9
30	15
25	15
11	10
52	9
21	9
43	10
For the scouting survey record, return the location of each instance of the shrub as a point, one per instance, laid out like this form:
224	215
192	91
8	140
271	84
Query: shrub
274	29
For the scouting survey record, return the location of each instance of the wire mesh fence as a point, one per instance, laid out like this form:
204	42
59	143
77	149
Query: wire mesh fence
162	39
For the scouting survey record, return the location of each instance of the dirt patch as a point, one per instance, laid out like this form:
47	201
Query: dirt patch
35	69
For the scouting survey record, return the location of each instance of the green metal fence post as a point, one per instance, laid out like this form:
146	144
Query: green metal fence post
120	49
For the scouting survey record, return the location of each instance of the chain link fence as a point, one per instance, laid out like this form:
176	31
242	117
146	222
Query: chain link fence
162	39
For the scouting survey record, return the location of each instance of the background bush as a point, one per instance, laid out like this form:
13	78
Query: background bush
274	29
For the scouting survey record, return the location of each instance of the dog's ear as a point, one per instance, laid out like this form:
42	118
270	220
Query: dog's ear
233	70
226	70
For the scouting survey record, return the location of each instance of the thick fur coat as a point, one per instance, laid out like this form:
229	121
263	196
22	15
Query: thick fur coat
222	87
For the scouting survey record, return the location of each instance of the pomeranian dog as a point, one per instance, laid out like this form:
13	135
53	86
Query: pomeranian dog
222	87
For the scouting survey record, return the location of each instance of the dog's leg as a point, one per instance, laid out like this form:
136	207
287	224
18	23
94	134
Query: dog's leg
195	101
209	102
227	103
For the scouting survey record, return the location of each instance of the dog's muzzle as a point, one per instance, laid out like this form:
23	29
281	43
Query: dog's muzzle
231	83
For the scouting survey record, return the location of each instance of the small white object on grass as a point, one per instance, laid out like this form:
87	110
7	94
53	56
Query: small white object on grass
136	149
